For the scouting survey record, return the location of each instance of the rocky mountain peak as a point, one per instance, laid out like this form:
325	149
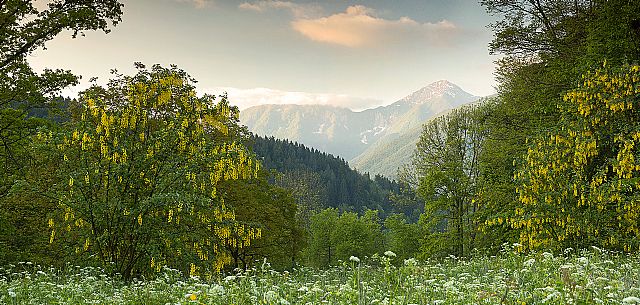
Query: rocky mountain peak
441	88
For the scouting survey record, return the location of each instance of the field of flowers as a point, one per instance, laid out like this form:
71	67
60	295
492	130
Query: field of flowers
586	277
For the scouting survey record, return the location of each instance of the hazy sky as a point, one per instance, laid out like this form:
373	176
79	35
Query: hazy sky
356	54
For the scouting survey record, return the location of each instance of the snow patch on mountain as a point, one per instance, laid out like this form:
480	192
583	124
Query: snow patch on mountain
320	129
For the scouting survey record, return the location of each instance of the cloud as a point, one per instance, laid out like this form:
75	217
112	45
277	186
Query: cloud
358	26
245	98
298	10
197	3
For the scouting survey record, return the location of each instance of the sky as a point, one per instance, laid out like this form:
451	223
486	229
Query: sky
346	53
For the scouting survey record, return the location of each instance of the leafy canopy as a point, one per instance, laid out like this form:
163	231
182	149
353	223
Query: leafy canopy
140	167
580	184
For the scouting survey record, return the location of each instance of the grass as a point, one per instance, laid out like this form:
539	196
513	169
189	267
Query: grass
586	277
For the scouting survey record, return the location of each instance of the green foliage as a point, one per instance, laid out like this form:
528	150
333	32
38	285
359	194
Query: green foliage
580	184
137	185
545	47
402	237
308	189
320	250
336	237
23	29
320	180
257	203
446	170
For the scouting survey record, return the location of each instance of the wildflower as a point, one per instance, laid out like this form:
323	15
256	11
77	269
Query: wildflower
217	290
270	296
354	259
530	262
389	254
547	255
631	300
412	262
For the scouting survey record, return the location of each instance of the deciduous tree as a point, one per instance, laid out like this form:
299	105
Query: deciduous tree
579	184
138	175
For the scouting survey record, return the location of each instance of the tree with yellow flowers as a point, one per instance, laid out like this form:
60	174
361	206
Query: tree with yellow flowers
139	169
580	186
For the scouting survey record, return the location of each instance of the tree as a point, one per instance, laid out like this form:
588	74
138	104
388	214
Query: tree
446	171
334	236
579	184
308	189
545	47
401	236
358	236
24	29
321	250
141	164
257	203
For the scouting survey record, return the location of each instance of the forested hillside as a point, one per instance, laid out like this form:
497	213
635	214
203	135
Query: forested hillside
321	180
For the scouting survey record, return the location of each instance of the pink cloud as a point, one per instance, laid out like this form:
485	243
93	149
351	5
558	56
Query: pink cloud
358	26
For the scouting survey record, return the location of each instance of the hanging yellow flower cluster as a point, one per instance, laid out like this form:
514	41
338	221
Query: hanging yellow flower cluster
580	186
143	162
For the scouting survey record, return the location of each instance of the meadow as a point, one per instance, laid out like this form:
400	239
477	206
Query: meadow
572	277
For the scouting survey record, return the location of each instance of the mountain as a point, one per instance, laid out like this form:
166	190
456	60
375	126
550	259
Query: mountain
350	134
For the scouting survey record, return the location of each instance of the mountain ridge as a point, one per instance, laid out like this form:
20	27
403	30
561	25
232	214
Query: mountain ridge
347	133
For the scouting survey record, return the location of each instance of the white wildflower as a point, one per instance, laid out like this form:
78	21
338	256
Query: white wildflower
547	255
217	290
389	254
631	300
530	262
550	296
354	259
270	296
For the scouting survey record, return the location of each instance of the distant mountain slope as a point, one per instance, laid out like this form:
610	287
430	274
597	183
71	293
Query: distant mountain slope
393	151
349	134
388	154
329	129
